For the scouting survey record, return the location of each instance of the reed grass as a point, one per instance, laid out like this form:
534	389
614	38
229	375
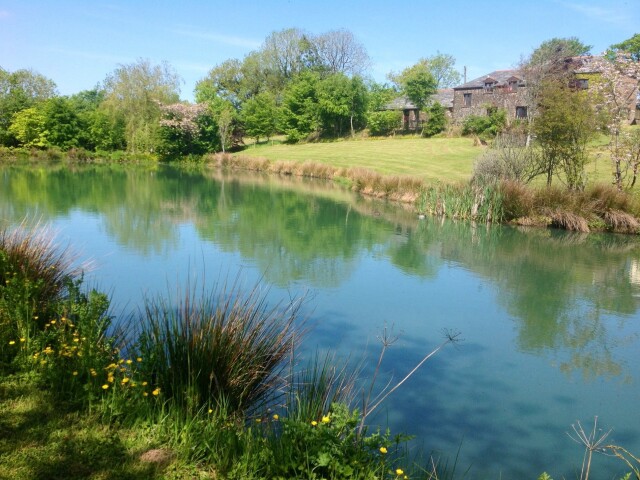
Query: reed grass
222	347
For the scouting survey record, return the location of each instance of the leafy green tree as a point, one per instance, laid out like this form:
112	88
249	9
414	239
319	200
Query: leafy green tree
554	49
300	113
63	126
441	66
20	90
28	127
565	123
338	51
260	116
379	95
630	46
417	83
342	103
134	94
436	120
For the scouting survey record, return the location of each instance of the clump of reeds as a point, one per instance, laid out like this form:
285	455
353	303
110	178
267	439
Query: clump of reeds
218	347
466	202
34	273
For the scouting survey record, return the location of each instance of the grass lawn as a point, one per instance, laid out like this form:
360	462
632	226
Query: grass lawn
429	159
448	160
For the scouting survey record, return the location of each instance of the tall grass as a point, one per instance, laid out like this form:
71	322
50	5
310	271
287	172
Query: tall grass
223	347
466	202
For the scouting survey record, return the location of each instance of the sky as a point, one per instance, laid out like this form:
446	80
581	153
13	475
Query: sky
77	43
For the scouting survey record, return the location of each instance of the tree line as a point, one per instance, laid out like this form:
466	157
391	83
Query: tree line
297	84
301	85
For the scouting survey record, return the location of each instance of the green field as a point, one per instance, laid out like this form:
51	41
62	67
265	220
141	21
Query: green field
446	159
430	159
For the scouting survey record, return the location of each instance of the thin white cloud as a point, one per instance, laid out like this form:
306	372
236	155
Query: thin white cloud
602	14
218	38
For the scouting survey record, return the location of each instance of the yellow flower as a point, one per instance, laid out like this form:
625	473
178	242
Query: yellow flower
314	423
74	374
23	339
326	419
121	361
53	322
383	450
139	359
12	342
210	410
156	392
276	417
258	420
399	471
105	386
110	379
145	394
144	384
129	362
125	380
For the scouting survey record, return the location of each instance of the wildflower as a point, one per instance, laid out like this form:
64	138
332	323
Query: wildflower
210	410
93	372
23	339
53	322
139	359
383	450
105	386
156	392
399	471
144	384
314	423
326	419
258	420
110	379
145	394
276	417
12	342
74	373
35	317
124	380
121	361
129	362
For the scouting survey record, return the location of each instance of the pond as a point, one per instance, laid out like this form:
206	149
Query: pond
549	319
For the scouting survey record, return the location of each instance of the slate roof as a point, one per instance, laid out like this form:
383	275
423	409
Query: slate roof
500	76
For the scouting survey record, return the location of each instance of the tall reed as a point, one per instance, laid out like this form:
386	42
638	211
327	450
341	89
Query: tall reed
220	347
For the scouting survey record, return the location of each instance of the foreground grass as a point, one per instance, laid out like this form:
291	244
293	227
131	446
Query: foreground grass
43	438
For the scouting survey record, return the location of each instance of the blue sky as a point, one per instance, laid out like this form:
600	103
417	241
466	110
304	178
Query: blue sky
77	43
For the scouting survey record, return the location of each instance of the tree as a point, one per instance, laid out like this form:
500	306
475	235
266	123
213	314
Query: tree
554	49
565	124
187	129
338	51
342	101
134	93
436	120
417	83
28	127
384	122
224	81
300	114
441	66
286	53
630	46
259	115
20	90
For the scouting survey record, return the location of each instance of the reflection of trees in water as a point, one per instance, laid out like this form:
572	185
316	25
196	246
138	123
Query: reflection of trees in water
559	286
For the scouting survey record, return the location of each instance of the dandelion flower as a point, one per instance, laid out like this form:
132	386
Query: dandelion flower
326	419
399	471
12	342
156	392
145	394
105	386
53	322
314	423
276	417
144	384
129	362
139	359
211	410
383	450
74	374
124	380
258	420
23	339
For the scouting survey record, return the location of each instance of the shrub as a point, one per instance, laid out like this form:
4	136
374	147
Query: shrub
485	125
384	122
436	120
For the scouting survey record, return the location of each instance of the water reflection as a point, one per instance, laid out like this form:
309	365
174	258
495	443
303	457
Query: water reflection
548	316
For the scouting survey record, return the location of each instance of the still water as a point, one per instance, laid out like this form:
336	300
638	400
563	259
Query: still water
549	319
